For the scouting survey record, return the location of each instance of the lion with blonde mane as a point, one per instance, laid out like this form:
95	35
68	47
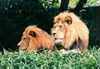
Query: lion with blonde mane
34	39
68	30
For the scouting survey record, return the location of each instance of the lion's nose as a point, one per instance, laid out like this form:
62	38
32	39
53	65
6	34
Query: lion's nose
18	44
54	34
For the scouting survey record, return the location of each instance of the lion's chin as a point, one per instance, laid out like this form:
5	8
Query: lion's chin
22	48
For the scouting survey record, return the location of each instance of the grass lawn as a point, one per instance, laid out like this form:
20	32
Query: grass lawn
53	60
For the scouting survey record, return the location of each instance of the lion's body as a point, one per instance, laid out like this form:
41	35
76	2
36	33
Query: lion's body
75	30
34	38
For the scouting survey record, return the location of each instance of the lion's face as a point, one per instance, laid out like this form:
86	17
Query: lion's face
60	27
26	39
24	43
58	32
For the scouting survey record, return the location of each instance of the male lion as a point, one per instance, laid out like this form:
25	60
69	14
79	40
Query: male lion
34	39
68	29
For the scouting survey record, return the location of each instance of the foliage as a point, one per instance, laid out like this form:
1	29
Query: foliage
53	60
50	3
72	3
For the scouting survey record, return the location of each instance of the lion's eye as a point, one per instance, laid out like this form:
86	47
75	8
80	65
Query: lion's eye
24	38
67	21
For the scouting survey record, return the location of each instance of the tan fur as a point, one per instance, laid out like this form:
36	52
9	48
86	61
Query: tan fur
33	39
73	30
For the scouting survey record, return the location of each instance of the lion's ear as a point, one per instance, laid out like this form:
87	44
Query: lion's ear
32	33
68	20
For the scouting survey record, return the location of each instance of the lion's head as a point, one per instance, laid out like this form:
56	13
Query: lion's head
58	32
33	38
60	29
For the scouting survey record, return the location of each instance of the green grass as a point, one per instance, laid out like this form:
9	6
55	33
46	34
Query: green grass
53	60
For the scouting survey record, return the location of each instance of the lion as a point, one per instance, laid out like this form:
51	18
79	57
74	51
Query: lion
69	30
35	39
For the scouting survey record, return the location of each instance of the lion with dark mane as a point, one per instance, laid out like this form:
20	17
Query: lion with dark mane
34	39
69	30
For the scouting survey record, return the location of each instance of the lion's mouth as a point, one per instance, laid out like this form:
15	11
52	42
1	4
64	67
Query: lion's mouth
58	40
22	48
